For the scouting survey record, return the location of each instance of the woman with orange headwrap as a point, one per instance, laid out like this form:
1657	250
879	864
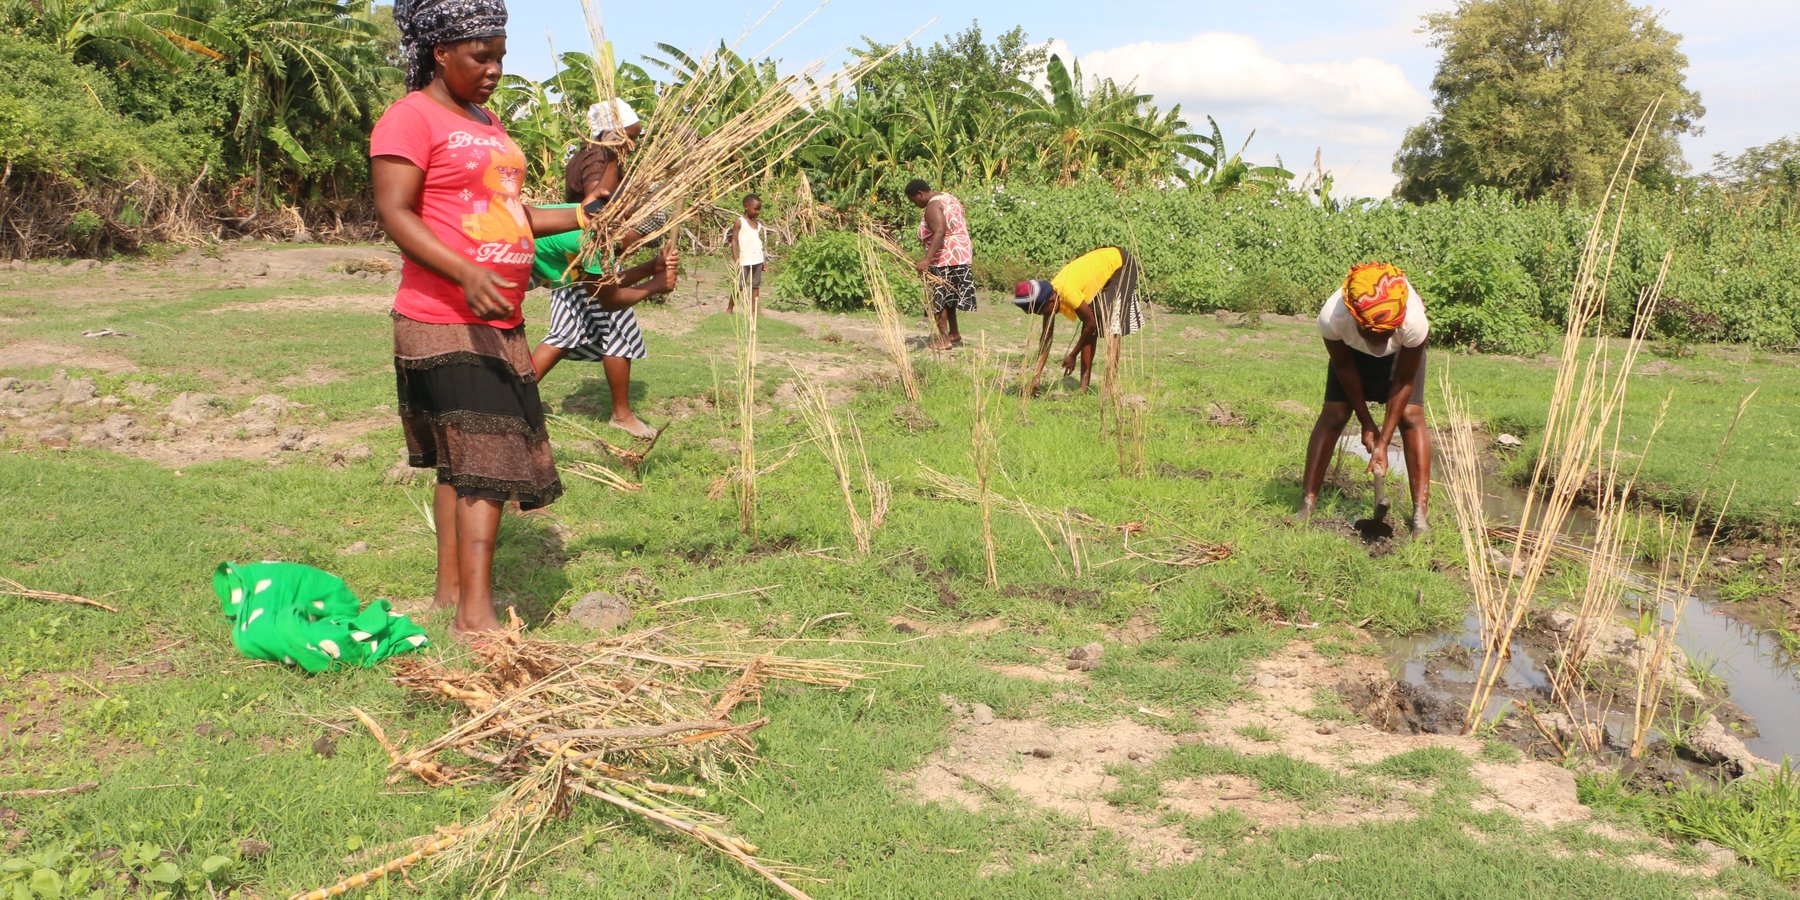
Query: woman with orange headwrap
1374	329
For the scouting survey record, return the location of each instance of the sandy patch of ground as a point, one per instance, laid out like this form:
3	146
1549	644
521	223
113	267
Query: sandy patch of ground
1070	769
377	300
33	354
188	428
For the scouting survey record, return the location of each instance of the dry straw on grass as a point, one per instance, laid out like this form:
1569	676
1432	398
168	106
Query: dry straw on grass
1580	443
11	588
893	332
822	423
602	475
631	456
617	720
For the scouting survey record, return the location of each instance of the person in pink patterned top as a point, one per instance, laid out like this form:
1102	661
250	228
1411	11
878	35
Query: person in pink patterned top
948	257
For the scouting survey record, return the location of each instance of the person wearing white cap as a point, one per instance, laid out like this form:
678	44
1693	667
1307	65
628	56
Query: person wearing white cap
595	170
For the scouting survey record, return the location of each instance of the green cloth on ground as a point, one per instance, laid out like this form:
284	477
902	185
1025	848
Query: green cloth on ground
302	616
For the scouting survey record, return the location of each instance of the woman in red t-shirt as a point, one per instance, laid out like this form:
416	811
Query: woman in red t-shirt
447	182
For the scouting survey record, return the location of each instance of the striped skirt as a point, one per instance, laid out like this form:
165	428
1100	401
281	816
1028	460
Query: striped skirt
586	332
470	409
1116	306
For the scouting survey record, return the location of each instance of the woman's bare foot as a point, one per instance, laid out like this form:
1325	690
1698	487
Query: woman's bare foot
634	426
942	344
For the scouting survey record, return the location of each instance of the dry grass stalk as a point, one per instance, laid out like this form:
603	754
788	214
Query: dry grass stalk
1676	577
893	333
34	793
816	408
886	245
11	588
982	452
602	475
607	720
746	406
735	476
632	457
1585	404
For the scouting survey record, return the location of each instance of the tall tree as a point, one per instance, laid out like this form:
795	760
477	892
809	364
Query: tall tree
1538	97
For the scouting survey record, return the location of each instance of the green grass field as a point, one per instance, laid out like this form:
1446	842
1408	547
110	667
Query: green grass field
200	753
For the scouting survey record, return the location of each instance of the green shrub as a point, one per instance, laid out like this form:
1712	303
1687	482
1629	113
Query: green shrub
1269	292
826	271
1480	297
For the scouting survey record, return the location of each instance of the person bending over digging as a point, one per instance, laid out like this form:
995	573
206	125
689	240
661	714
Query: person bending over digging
591	317
1097	289
1374	329
948	262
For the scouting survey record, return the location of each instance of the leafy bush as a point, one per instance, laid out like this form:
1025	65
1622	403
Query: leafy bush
825	270
1480	297
1269	291
1197	249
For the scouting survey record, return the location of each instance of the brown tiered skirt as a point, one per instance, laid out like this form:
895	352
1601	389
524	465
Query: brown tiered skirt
470	409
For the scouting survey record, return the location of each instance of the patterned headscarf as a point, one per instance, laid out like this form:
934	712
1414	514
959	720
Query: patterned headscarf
1376	293
1033	296
424	24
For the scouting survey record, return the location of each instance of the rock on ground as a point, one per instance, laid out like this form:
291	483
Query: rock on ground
600	611
191	408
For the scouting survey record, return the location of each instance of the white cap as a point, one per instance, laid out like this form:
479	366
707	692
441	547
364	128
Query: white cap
610	115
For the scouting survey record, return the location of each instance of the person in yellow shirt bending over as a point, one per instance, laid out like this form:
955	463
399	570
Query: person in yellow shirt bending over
1097	289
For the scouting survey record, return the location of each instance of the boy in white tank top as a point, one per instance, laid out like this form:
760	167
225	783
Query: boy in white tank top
746	243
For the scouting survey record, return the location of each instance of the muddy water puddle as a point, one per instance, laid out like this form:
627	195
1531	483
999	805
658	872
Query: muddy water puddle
1760	677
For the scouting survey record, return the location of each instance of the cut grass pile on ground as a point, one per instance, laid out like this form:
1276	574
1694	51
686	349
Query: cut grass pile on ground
204	756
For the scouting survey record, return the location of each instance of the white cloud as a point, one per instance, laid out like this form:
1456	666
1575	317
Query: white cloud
1353	109
1215	70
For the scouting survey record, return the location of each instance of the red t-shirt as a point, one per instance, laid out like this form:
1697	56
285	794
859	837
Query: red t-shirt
470	200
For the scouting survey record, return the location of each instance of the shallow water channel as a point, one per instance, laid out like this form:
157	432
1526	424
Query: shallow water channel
1761	678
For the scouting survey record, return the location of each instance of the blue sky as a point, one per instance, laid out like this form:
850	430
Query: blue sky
1340	78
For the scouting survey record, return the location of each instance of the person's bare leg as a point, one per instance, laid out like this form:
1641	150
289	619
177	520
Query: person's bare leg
1415	442
1319	447
756	301
449	568
544	358
955	335
1090	339
618	384
942	320
477	529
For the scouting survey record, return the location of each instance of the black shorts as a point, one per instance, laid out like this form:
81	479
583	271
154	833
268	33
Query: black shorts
1377	374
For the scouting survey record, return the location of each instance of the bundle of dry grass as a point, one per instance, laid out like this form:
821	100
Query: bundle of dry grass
680	171
616	721
816	408
881	296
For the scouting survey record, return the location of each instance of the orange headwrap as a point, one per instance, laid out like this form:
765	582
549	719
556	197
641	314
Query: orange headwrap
1376	293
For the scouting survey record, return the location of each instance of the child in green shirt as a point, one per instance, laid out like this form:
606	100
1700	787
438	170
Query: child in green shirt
593	321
